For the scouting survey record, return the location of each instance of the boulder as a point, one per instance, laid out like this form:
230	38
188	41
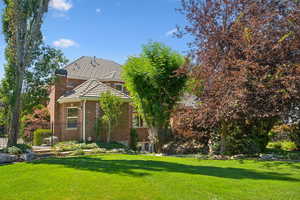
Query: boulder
7	158
267	157
29	156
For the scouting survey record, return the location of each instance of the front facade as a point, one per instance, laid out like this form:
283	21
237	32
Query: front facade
74	102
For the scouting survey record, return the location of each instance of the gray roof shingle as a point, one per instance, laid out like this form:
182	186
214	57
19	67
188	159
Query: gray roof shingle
90	89
87	67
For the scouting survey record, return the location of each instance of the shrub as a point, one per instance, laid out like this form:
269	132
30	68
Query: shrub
293	155
39	135
66	146
286	132
288	146
111	145
87	146
77	152
274	145
283	145
97	151
133	139
23	147
14	150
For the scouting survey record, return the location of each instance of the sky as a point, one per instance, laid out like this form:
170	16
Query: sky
109	29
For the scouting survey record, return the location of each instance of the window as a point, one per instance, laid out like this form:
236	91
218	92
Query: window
119	87
72	117
138	121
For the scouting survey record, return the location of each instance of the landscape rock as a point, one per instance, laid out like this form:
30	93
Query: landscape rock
7	158
29	156
267	157
239	156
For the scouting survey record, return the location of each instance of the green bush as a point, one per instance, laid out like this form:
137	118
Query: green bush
73	145
133	139
293	155
14	150
288	146
97	151
77	152
39	135
23	147
87	146
111	145
283	145
67	146
274	145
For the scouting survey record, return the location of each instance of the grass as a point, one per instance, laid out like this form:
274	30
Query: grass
134	177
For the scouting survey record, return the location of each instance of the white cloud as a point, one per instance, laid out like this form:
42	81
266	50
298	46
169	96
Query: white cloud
171	32
61	5
98	10
64	43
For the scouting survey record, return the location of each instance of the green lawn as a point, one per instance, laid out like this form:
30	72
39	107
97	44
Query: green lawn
131	177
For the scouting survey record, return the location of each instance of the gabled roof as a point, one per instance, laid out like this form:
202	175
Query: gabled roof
87	67
90	90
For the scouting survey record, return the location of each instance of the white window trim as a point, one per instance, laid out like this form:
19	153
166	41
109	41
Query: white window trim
119	84
67	128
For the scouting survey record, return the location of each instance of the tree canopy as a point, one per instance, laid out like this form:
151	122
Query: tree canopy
154	84
111	106
22	21
248	62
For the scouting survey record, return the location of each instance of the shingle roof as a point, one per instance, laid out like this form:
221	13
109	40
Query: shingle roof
90	89
87	67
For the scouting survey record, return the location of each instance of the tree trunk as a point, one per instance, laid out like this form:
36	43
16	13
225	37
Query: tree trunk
156	145
223	145
16	109
108	133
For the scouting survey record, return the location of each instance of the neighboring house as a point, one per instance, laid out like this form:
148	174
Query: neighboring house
74	102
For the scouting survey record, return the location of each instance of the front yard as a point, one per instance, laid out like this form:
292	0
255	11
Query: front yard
132	177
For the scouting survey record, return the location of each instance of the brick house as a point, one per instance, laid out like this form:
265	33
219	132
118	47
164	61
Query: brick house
74	107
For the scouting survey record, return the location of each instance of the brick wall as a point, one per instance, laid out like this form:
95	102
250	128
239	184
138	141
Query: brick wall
58	115
142	134
120	133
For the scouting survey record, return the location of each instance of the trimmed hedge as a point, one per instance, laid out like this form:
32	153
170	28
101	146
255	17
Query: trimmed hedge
39	135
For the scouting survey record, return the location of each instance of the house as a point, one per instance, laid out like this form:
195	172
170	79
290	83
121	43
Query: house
74	102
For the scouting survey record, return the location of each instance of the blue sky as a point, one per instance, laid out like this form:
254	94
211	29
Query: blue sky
110	29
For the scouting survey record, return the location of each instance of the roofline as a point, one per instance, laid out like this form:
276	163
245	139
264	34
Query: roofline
79	99
74	61
86	78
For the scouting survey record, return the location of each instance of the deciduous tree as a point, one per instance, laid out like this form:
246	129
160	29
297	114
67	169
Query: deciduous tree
22	20
111	106
154	87
248	55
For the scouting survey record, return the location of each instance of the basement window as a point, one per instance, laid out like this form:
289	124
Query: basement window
72	118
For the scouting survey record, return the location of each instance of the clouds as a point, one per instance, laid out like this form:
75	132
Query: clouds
61	5
98	10
65	43
171	32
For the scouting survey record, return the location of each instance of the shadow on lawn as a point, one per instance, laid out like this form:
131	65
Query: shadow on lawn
141	168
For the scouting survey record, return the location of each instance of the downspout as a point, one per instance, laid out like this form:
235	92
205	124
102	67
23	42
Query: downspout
83	123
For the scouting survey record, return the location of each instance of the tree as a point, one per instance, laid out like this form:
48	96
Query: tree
39	76
22	20
39	119
248	63
154	87
111	106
